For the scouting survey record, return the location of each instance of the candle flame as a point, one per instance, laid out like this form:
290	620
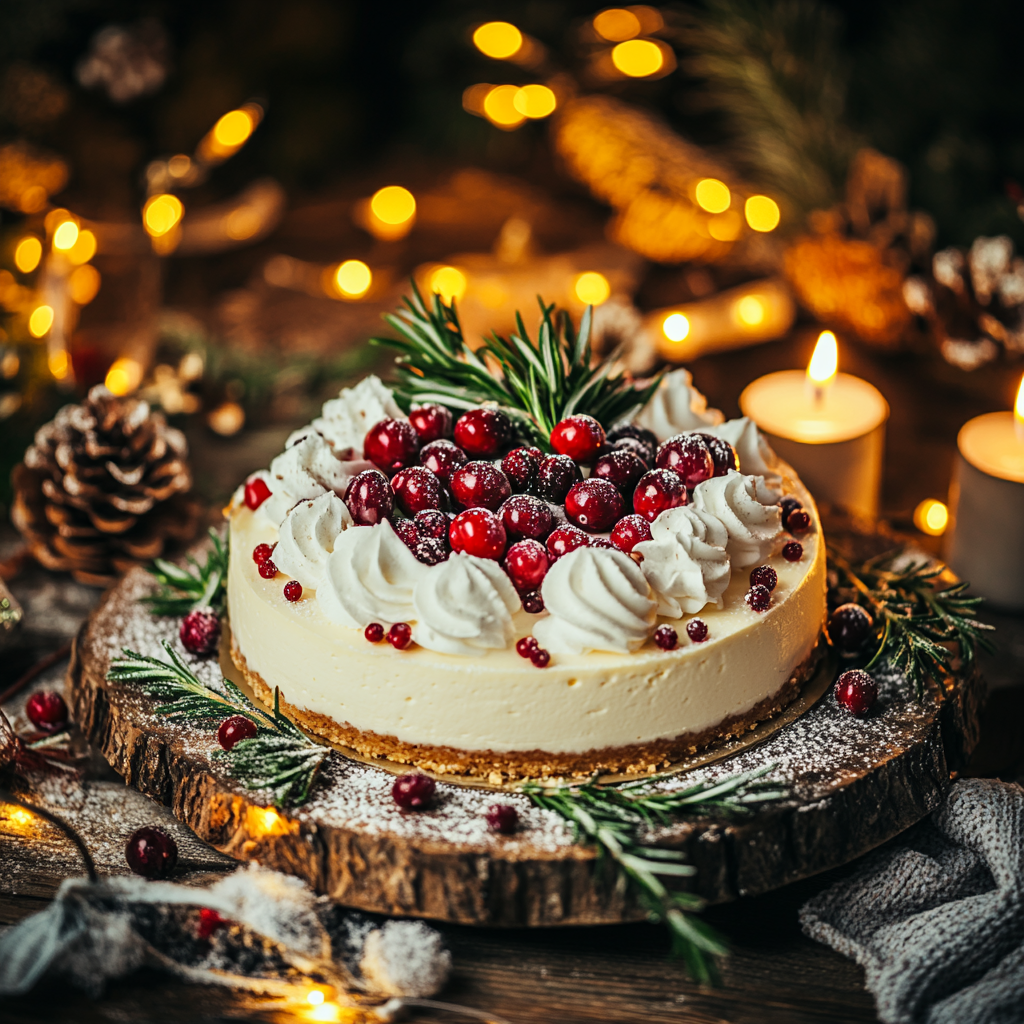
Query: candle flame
1018	408
825	360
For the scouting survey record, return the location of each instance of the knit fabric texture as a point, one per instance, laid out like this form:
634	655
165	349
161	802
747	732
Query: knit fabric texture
936	918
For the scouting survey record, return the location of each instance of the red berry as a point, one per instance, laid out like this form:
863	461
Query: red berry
523	515
631	438
688	456
408	532
369	498
391	444
413	792
630	531
565	539
658	490
261	553
267	569
416	489
526	645
856	691
235	729
520	466
621	468
502	818
848	627
646	453
374	632
442	458
292	590
151	852
526	563
533	603
579	437
480	485
430	550
540	657
788	504
47	711
765	576
478	531
602	542
758	597
431	523
431	422
666	638
723	455
400	635
555	475
798	520
200	629
256	492
594	504
483	431
697	630
209	922
792	551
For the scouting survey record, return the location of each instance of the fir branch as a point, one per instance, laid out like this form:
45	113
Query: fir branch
280	757
194	586
615	818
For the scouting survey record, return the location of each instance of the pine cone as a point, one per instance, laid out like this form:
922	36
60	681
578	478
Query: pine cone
103	488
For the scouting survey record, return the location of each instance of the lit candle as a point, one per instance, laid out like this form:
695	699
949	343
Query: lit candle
986	500
829	426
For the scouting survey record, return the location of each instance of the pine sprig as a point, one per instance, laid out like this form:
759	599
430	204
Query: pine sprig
193	586
280	757
615	819
537	382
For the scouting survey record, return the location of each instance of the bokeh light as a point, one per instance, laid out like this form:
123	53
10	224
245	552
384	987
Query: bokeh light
535	101
161	214
617	25
124	376
28	253
83	284
65	236
931	517
713	195
750	310
40	321
498	39
233	129
353	279
84	248
393	205
449	282
500	107
675	327
762	213
638	58
58	364
592	288
725	227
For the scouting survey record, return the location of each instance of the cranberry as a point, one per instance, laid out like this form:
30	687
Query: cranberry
261	553
540	657
502	818
235	729
666	638
792	551
526	516
602	542
267	569
565	539
723	455
758	597
400	635
442	458
533	603
292	590
374	632
151	852
658	490
848	627
520	466
200	629
687	455
621	468
630	531
579	437
407	531
629	435
856	691
526	645
480	485
646	453
391	444
416	489
697	630
413	792
430	550
798	520
369	498
526	563
594	504
431	422
431	523
483	431
47	711
478	531
209	922
788	504
765	576
256	492
555	475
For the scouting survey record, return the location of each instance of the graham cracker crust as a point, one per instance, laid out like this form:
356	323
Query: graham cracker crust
532	764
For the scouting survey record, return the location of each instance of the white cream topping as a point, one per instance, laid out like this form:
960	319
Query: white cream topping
753	452
370	577
685	561
747	508
677	406
464	606
307	537
598	600
345	420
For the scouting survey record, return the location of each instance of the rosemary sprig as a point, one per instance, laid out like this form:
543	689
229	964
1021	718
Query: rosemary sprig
615	818
280	757
194	586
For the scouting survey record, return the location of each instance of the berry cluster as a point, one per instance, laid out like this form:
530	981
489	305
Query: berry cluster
528	647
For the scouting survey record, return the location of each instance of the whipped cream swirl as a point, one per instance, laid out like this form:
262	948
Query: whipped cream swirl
685	561
344	420
598	600
464	606
677	406
370	577
307	537
748	509
753	453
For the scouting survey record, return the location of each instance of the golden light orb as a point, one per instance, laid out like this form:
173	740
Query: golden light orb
725	227
713	195
498	40
931	517
535	101
233	128
638	58
393	204
500	107
762	213
124	376
617	25
161	214
824	362
40	321
675	327
84	249
83	284
750	310
353	279
315	998
448	282
592	288
58	364
227	419
10	365
28	253
65	236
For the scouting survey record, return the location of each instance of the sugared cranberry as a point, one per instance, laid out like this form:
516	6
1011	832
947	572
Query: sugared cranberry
523	515
602	542
580	437
526	563
480	485
369	498
416	488
792	551
765	576
555	475
400	635
47	711
758	597
798	520
621	468
431	523
856	691
442	458
540	657
256	492
267	569
209	921
200	629
292	590
408	532
235	729
533	603
478	531
594	504
151	852
520	466
658	490
666	638
430	550
849	626
413	792
629	435
630	531
565	539
646	453
689	457
483	431
502	818
525	645
374	632
261	553
697	630
723	455
391	444
431	422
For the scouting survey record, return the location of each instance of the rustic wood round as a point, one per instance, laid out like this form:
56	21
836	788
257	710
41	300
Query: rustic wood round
853	783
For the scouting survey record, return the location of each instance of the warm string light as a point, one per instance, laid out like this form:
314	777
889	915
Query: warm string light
675	327
638	58
498	40
616	25
824	364
353	279
931	517
40	321
65	236
592	288
124	376
712	195
27	254
448	282
389	214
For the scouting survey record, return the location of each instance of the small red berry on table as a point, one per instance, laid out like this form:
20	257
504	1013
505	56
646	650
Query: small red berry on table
630	531
261	553
502	818
413	792
431	422
666	638
658	490
480	485
292	590
580	437
483	431
256	492
764	575
235	729
47	711
856	691
374	632
400	635
697	630
688	456
200	629
793	551
526	563
442	458
151	852
391	444
594	504
369	498
849	626
478	531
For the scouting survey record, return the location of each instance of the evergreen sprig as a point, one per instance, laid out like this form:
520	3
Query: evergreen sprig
280	757
537	383
183	588
616	818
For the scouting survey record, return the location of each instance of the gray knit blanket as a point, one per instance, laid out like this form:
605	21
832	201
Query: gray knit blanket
936	918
